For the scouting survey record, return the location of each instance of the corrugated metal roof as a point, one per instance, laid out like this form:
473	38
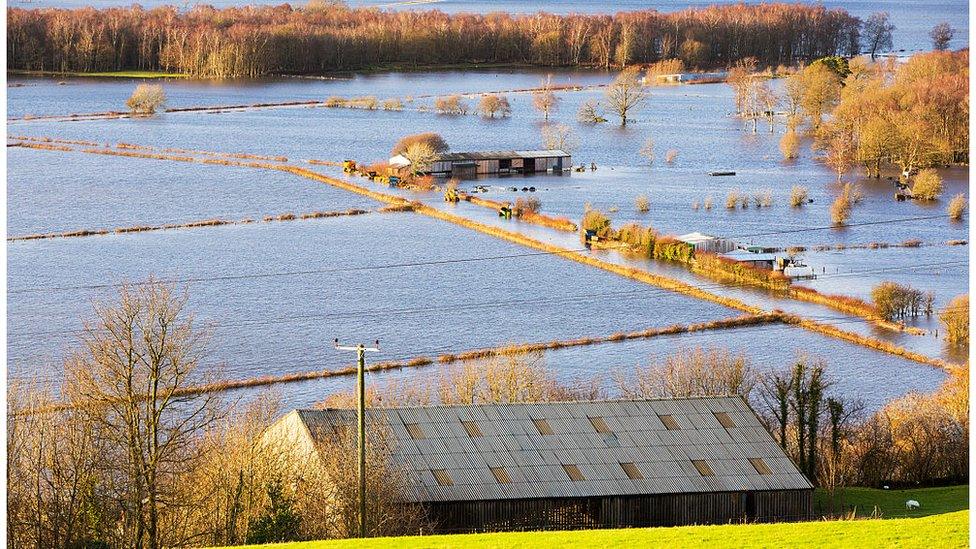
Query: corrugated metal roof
499	155
743	255
696	237
535	462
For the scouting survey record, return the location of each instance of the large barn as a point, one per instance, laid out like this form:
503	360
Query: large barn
603	464
473	164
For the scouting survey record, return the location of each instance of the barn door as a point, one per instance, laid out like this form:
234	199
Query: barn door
750	506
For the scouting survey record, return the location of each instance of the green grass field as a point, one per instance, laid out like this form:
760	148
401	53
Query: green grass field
942	531
891	503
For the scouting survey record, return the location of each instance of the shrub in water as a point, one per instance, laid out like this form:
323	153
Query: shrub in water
798	196
642	204
957	206
928	185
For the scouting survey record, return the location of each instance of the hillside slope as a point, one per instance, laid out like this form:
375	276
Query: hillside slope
944	531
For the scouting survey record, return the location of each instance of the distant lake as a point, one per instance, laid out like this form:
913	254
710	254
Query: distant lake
913	19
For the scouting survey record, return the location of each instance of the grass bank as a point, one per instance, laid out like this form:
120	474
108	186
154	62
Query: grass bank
110	74
891	503
946	530
192	224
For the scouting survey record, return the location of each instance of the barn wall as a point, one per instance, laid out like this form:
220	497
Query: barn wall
624	511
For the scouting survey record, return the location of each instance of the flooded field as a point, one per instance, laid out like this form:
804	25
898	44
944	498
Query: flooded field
286	322
694	121
870	376
106	192
283	291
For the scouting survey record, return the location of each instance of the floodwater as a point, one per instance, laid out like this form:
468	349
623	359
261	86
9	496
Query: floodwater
867	375
913	20
113	192
279	324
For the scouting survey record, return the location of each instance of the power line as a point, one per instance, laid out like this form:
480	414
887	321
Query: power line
861	224
469	306
434	352
221	278
293	273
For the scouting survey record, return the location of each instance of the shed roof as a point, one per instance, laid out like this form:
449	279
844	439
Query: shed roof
598	438
497	155
745	255
696	237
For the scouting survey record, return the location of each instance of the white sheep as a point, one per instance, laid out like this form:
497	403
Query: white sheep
912	505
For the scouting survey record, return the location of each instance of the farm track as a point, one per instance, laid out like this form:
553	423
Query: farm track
190	225
396	202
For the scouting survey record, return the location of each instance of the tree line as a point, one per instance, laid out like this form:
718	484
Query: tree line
914	115
868	114
259	40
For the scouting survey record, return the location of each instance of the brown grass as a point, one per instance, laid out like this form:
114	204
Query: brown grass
319	215
397	208
188	225
483	202
324	163
558	223
43	147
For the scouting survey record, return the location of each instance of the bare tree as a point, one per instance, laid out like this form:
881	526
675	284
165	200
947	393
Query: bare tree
743	80
590	113
452	104
625	93
841	154
941	35
545	100
559	137
231	477
508	376
54	472
421	156
877	33
492	104
695	372
833	470
647	150
130	379
774	390
769	102
330	500
793	93
433	139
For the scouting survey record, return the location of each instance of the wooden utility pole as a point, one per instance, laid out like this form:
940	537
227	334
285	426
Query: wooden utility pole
361	418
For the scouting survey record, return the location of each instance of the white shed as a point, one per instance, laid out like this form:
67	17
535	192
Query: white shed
707	243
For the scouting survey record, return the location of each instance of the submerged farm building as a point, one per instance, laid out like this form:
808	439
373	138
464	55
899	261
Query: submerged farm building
473	164
624	463
707	243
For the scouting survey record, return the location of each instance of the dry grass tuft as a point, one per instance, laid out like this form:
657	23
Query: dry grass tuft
957	207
